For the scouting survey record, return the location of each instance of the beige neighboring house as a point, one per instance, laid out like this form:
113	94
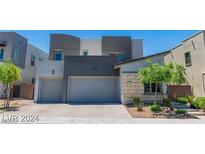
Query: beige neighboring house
191	54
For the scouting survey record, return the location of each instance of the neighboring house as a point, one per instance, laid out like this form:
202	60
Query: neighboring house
15	47
191	54
82	70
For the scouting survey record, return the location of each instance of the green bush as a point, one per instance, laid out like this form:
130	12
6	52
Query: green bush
138	103
181	111
199	103
195	105
166	102
203	107
155	107
183	100
190	99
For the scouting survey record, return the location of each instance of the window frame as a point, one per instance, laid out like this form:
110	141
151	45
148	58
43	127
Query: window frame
33	80
2	53
151	87
16	56
188	60
33	59
85	51
57	52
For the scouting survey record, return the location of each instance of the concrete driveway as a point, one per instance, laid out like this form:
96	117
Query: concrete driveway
72	111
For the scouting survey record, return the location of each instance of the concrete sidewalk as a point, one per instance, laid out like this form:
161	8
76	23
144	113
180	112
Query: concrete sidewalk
78	120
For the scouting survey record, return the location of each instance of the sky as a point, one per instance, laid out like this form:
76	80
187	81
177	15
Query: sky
154	41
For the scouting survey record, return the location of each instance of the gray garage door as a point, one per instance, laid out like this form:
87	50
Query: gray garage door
93	90
51	90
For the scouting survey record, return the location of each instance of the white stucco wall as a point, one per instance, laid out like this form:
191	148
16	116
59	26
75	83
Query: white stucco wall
29	72
136	65
137	48
94	46
45	70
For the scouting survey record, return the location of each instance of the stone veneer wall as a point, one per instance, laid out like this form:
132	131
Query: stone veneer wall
131	87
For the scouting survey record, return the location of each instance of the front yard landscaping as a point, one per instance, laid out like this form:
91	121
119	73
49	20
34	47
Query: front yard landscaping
169	74
167	109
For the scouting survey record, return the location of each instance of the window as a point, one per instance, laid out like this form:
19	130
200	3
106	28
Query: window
40	59
187	59
33	81
1	54
150	88
32	60
85	52
16	56
57	55
121	57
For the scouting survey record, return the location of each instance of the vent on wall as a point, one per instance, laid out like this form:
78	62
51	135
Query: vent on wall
193	45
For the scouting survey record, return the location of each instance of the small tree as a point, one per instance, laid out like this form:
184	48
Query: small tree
178	75
162	73
154	73
9	74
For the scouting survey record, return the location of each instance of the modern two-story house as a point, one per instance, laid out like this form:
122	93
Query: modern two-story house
82	70
106	69
15	47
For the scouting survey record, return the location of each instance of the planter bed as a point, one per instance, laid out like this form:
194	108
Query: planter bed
147	113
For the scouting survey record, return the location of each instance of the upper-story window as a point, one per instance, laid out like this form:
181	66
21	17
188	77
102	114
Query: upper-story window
85	52
187	56
16	56
120	56
57	55
1	54
32	60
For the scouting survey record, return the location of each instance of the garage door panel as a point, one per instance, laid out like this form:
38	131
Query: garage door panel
51	90
98	90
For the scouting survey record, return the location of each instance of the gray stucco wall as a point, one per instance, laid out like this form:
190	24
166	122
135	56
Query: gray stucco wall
14	41
70	45
90	66
137	48
117	44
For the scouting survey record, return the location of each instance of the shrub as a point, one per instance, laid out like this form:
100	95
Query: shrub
155	107
167	103
183	100
195	105
138	103
199	103
203	107
190	99
181	111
